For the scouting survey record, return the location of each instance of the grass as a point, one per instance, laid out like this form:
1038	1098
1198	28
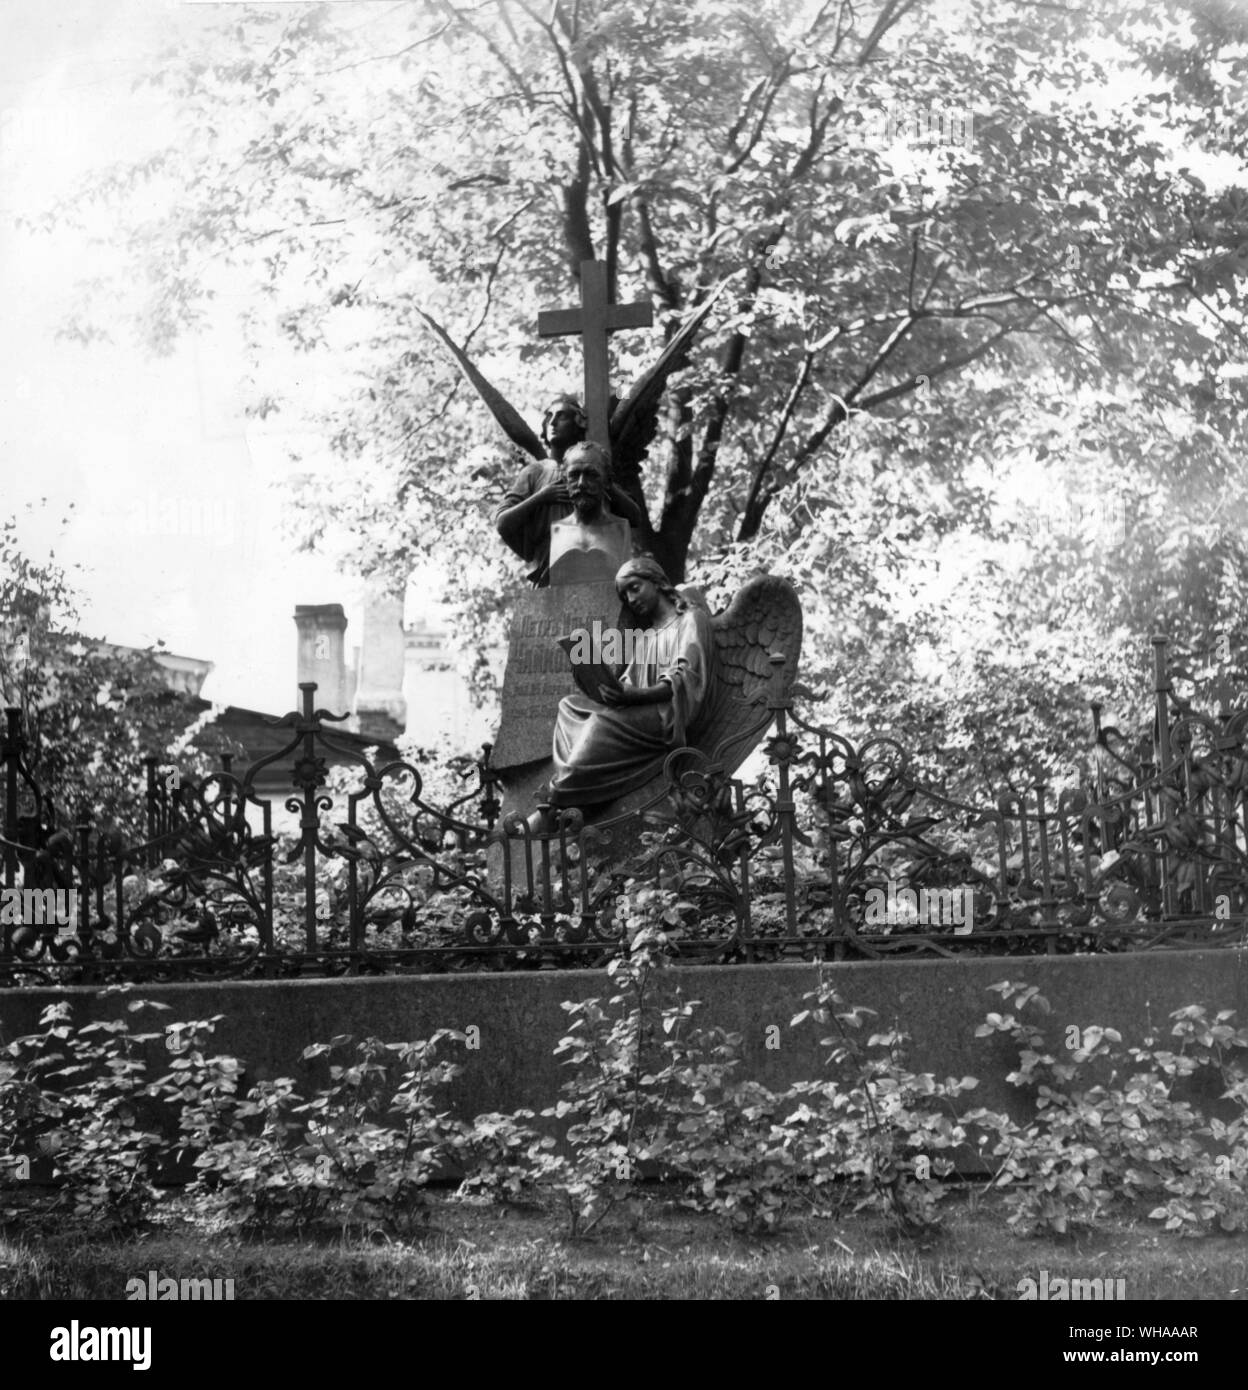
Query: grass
657	1251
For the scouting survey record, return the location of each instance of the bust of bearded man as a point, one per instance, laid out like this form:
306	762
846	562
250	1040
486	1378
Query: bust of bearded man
540	496
590	545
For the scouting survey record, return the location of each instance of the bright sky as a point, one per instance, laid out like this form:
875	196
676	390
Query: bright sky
175	517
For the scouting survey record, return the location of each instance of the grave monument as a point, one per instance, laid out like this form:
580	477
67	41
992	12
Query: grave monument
575	514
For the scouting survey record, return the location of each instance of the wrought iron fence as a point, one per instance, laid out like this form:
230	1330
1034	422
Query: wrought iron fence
838	852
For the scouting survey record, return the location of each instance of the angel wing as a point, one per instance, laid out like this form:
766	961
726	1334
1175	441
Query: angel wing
764	617
635	419
504	412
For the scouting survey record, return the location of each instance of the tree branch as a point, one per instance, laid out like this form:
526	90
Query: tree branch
950	364
892	13
818	129
774	83
576	229
661	285
752	520
682	504
381	57
498	54
786	414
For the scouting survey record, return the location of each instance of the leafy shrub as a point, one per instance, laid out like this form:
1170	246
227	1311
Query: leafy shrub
645	1099
500	1156
617	1098
733	1141
79	1099
876	1129
650	1091
201	1090
360	1152
1095	1145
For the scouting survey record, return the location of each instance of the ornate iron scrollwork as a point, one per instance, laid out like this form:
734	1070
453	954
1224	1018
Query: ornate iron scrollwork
837	850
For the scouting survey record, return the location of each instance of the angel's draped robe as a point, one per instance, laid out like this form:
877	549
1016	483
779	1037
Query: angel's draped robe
533	544
602	752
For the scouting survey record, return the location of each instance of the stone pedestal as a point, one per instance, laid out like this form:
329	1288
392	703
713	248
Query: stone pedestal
538	673
537	677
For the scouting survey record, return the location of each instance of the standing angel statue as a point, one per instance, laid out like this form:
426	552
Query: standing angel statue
541	494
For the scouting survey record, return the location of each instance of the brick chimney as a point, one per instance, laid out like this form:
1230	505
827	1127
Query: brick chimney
380	707
321	653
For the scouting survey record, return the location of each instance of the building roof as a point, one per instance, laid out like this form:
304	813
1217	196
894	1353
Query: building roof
253	736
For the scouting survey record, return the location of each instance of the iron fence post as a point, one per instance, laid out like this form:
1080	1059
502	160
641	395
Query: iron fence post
266	924
12	751
227	800
547	914
82	825
355	915
1048	917
745	921
1161	691
488	779
152	817
785	806
309	820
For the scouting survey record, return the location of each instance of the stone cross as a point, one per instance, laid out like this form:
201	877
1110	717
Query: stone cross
594	320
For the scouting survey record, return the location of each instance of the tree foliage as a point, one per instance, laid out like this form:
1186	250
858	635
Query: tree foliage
88	712
965	246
